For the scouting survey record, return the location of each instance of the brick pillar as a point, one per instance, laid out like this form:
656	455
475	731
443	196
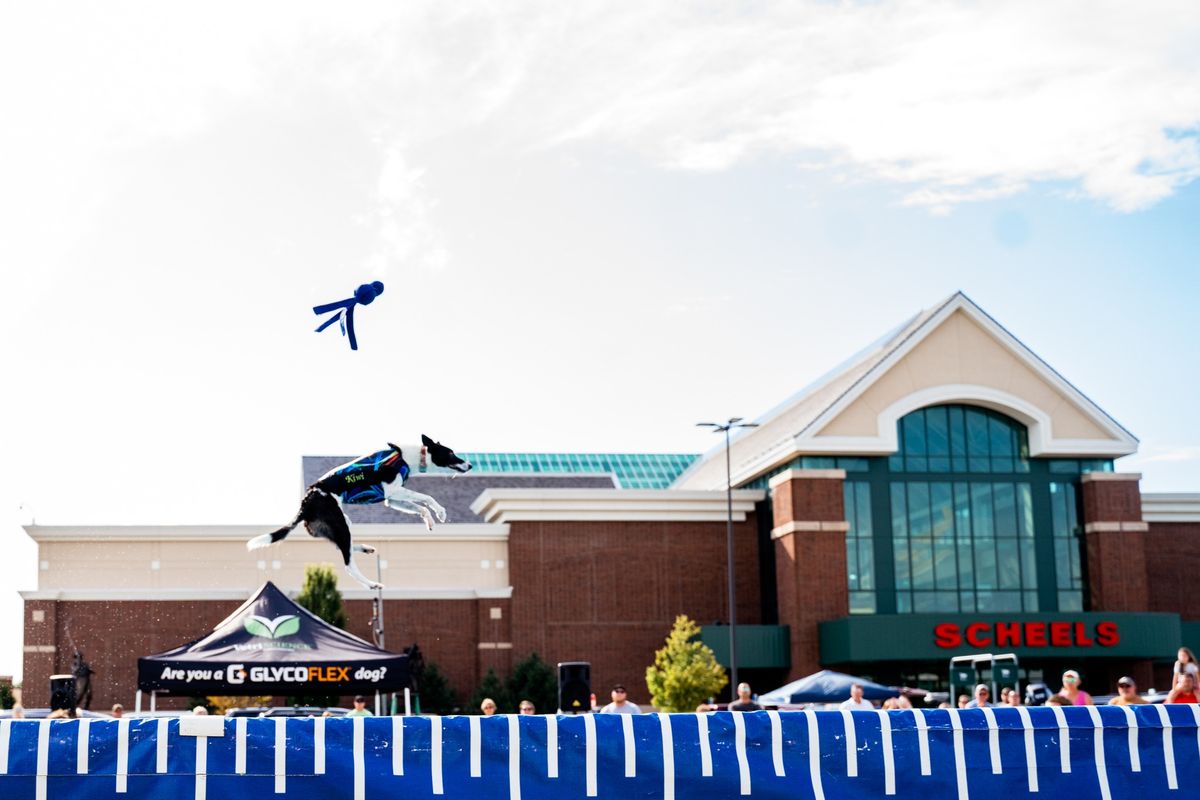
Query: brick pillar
41	657
495	648
810	558
1115	541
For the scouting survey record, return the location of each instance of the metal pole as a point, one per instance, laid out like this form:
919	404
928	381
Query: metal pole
379	599
733	675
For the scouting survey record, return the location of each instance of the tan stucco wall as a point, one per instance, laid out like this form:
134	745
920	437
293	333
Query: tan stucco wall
959	351
218	565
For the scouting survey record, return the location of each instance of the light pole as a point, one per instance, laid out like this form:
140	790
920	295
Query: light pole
734	422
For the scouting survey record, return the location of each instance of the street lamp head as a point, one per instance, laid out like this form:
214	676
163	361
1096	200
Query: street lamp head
735	420
708	425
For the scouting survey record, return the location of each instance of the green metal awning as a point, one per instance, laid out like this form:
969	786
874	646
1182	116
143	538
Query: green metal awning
758	646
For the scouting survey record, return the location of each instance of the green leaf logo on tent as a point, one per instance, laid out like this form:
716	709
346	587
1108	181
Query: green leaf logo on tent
276	628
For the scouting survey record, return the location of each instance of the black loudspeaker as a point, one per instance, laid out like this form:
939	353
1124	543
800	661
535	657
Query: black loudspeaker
62	692
575	687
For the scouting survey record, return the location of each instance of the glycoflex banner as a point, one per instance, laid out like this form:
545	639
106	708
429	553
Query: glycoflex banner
271	645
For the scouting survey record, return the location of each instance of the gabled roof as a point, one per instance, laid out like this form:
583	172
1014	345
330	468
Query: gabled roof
951	353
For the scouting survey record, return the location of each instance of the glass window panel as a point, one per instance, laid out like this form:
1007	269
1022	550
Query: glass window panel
962	511
937	432
1064	465
982	522
946	602
939	463
979	464
866	564
925	602
966	601
1062	562
1008	563
1004	601
1028	565
1031	601
1058	511
966	564
904	603
1024	510
1076	571
818	462
862	602
850	507
914	434
896	460
1006	509
958	464
852	563
903	578
941	509
1002	464
862	510
977	433
1070	601
854	464
958	432
985	564
918	509
922	563
945	569
1001	438
899	511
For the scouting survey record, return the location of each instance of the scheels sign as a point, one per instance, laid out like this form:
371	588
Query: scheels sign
1059	633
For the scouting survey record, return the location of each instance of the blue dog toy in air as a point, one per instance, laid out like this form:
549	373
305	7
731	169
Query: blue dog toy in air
363	296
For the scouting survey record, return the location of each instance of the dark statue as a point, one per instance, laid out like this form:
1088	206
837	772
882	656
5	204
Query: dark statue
83	682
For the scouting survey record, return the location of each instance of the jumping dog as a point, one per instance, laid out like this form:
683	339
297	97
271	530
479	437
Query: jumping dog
375	478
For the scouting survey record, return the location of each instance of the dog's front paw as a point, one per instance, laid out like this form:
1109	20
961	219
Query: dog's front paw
427	517
373	585
441	514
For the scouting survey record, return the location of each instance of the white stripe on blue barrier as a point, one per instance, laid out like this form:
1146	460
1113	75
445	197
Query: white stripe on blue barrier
476	747
1031	775
739	747
630	746
706	763
397	745
960	758
762	754
43	759
851	743
319	745
160	739
551	746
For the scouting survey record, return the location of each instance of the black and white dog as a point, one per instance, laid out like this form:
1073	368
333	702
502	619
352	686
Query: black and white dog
375	478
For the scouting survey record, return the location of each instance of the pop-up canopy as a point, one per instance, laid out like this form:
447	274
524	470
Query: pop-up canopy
826	686
271	645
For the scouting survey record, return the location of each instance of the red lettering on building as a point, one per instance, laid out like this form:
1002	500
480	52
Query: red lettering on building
1059	633
947	635
973	634
1008	634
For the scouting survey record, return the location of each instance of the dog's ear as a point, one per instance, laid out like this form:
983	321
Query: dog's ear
395	447
425	440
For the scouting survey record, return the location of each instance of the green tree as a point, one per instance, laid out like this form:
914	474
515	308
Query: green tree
437	696
320	595
493	688
534	680
685	671
6	696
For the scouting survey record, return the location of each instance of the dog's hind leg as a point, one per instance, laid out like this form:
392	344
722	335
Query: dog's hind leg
343	538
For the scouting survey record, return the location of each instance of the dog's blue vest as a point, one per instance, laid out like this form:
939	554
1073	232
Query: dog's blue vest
362	481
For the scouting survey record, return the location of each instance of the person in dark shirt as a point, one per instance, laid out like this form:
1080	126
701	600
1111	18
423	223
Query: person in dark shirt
744	703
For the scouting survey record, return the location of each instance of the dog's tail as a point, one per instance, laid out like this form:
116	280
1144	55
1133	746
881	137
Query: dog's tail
268	539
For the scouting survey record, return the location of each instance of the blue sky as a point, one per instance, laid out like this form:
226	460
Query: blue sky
596	227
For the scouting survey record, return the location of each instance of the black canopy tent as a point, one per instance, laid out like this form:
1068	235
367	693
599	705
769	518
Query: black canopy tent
271	645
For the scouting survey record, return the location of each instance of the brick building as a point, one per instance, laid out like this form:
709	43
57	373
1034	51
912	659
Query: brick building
944	492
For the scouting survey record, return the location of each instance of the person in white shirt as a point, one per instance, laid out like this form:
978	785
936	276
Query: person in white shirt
620	705
856	702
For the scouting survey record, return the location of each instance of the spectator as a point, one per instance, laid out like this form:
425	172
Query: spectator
1004	690
200	711
963	701
704	708
18	711
744	703
1185	690
902	702
889	704
945	704
487	707
1186	663
620	703
59	713
1071	691
1127	694
118	710
526	707
360	708
1057	700
856	702
982	695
